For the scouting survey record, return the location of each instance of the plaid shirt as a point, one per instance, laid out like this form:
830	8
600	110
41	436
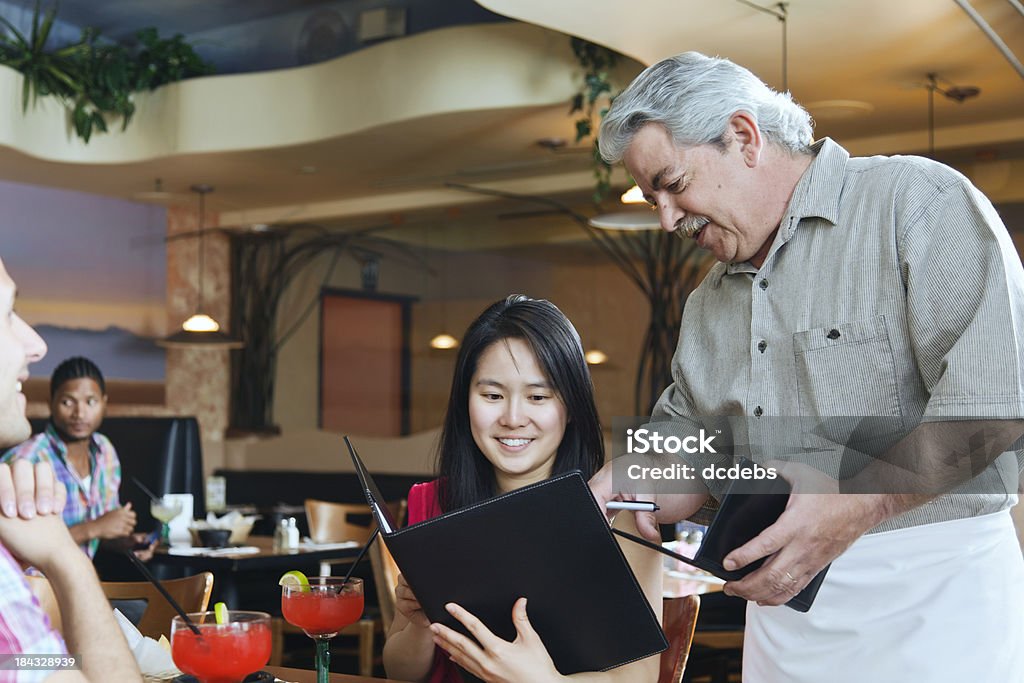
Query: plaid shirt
84	502
24	627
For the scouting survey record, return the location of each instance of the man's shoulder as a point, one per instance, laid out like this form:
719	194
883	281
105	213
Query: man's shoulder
901	171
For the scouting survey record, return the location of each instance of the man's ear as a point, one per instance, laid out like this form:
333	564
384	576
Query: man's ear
747	135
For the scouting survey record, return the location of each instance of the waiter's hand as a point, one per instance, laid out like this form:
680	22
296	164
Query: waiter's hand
818	525
677	500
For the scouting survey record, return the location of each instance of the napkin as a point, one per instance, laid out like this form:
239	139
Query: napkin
212	552
152	657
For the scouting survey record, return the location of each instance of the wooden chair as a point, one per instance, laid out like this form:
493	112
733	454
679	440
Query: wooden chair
679	618
385	577
192	593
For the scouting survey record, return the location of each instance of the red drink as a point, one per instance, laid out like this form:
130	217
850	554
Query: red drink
224	653
321	606
321	613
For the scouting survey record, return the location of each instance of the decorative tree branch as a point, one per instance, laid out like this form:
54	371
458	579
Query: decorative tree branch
664	267
264	264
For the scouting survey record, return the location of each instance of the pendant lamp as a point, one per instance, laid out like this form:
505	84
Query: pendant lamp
201	330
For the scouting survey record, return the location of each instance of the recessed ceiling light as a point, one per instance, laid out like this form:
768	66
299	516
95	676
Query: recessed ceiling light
552	143
837	110
627	220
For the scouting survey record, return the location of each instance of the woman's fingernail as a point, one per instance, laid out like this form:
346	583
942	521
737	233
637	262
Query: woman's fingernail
44	506
27	510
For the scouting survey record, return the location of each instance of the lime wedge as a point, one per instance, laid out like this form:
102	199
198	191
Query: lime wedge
295	579
220	612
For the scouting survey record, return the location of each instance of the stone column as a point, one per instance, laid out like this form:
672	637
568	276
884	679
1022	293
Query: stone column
198	380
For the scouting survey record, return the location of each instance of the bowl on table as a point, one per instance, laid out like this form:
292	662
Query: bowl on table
213	538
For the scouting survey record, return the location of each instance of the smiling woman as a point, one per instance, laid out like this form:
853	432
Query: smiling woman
521	410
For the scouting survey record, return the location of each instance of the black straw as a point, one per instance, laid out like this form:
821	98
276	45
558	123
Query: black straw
359	557
152	496
163	591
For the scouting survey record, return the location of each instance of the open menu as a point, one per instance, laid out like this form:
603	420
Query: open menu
549	542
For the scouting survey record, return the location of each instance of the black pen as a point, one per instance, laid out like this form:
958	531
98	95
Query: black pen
635	505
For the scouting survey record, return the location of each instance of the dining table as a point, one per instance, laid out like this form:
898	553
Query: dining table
232	564
309	676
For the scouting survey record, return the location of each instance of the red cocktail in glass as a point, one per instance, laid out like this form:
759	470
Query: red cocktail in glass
221	653
321	609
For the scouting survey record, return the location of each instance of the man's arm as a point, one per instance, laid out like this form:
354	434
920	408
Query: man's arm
116	523
89	626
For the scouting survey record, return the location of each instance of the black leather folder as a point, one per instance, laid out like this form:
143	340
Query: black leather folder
747	508
548	542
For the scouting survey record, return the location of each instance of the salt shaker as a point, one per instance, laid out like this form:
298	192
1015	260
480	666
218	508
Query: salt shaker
291	535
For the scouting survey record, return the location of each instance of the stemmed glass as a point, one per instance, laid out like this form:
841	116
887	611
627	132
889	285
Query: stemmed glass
321	609
221	653
165	509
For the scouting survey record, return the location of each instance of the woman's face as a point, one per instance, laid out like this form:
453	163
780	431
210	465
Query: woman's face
516	417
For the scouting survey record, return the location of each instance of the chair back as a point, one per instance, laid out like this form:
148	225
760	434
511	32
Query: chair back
679	617
334	522
385	578
331	522
192	593
43	591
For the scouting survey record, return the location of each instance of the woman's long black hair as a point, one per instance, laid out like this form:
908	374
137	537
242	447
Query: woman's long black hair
466	476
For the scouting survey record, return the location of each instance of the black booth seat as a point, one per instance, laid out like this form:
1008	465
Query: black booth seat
164	453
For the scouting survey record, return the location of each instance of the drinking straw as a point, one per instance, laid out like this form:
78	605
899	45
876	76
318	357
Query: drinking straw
163	591
152	496
359	557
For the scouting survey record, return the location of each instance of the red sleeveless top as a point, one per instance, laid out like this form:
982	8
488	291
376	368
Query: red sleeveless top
423	505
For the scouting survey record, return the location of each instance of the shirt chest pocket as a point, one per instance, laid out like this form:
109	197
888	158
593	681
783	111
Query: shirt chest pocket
847	370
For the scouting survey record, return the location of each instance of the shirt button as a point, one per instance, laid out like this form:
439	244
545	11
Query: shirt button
833	334
762	345
763	284
758	412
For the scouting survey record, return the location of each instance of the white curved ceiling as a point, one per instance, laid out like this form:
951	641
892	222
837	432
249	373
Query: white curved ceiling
380	131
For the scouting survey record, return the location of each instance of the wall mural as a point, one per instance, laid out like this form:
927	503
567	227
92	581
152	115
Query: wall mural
91	276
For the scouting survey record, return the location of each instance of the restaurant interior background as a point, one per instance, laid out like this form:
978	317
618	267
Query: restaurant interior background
365	121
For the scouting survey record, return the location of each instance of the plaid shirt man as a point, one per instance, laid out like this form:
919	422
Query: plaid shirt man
24	627
86	499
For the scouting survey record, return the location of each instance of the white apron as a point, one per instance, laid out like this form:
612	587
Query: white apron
937	603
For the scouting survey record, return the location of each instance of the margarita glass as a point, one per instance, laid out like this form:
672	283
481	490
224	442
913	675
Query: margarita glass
165	509
321	607
221	653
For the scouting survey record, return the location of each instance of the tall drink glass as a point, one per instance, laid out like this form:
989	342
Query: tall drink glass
221	653
321	609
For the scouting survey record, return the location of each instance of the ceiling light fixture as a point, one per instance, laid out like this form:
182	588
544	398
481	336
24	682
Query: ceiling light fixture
957	93
626	220
200	329
633	195
444	341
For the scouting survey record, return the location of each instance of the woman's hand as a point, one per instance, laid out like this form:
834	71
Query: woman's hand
495	660
407	604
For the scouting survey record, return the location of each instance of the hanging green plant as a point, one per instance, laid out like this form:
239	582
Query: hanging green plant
95	79
594	98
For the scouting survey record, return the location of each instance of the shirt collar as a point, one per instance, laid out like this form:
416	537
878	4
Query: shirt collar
816	195
61	448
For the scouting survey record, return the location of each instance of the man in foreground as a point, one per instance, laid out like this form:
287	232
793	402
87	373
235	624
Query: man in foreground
39	537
